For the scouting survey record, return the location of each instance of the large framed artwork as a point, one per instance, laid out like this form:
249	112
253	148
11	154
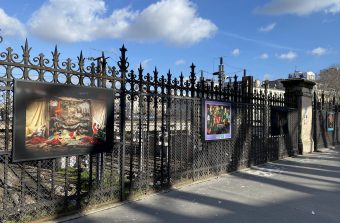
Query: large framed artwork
330	121
217	120
53	120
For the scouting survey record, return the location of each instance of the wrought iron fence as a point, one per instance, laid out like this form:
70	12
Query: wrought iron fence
157	135
326	119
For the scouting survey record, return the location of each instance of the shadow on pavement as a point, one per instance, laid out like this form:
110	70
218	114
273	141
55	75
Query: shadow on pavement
301	189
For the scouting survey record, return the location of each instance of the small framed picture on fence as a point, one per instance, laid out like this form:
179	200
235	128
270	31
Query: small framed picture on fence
330	121
217	120
53	120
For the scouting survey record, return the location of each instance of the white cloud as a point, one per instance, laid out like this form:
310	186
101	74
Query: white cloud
145	62
236	52
78	20
299	7
319	51
173	21
267	28
264	56
11	26
180	62
288	56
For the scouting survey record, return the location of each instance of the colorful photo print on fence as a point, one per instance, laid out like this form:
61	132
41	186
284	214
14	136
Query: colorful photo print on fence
330	121
54	120
217	120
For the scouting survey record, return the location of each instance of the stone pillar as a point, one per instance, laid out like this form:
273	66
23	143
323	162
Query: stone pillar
303	91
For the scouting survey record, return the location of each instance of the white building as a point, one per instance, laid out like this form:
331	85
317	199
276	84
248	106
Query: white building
309	75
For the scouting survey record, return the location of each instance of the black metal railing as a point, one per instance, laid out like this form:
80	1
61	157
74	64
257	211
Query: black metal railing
326	119
157	134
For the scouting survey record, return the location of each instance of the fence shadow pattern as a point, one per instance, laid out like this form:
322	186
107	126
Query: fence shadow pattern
157	135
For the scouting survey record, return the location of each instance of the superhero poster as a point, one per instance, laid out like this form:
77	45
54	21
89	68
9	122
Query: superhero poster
217	120
52	120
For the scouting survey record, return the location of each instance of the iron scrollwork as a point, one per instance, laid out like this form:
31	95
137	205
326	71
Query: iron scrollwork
157	127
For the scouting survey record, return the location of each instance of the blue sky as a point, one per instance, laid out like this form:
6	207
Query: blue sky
269	38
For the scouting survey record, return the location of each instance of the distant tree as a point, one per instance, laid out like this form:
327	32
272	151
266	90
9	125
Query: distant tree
329	79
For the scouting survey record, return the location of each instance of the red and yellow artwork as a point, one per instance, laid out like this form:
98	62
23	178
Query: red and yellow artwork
56	120
217	123
65	121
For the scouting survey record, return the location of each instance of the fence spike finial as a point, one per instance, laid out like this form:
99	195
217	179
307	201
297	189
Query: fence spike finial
123	64
26	52
140	73
155	75
169	76
181	80
192	66
55	54
26	45
81	62
81	56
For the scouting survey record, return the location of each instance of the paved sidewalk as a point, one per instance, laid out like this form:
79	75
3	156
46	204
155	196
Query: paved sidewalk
301	189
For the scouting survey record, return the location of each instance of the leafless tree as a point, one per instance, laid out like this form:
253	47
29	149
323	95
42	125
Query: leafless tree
329	79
